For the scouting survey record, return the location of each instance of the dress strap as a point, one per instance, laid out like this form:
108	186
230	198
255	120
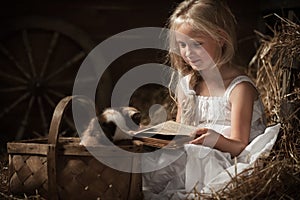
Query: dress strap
185	87
235	82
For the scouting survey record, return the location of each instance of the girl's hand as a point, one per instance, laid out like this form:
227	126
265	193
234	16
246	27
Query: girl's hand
206	137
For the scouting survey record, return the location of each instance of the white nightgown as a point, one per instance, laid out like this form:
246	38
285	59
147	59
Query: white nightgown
199	165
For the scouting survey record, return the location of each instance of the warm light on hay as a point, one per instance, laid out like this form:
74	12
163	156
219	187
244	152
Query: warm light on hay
276	69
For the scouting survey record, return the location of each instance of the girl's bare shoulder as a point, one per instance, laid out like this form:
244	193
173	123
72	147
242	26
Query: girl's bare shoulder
232	73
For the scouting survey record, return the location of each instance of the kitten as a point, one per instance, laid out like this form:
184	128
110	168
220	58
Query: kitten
116	124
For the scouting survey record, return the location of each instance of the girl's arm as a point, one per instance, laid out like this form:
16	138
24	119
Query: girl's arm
242	98
180	98
178	115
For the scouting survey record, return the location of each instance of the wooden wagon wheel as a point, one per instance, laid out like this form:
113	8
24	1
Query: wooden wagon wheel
39	59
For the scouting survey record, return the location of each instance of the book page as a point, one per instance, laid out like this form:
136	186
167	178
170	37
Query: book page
171	128
168	134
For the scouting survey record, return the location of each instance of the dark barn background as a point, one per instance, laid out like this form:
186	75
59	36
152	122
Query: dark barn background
42	44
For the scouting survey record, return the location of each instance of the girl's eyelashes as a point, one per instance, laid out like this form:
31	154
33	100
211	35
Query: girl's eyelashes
197	44
194	44
181	44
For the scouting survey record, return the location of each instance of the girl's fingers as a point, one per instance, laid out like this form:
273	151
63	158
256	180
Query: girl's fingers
200	131
198	140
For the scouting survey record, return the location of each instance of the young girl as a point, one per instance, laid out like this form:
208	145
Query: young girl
211	94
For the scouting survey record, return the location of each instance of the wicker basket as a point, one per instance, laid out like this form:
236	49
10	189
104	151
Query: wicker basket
60	168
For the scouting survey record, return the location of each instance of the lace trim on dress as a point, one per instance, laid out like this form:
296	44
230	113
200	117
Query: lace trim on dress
235	82
197	109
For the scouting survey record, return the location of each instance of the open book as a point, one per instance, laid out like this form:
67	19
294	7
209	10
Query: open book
168	134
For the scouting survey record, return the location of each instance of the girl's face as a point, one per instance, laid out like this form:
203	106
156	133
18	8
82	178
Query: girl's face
197	50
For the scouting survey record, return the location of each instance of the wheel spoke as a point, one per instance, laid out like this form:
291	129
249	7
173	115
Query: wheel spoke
13	89
71	82
13	59
61	83
49	52
28	51
24	122
67	120
49	100
68	64
37	134
58	94
14	104
10	77
43	115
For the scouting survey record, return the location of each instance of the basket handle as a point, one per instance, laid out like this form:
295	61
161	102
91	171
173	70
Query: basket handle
53	141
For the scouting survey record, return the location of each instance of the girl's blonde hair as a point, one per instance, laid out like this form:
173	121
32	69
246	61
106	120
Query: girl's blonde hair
209	17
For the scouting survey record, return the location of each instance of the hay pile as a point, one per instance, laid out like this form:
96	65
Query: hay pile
276	69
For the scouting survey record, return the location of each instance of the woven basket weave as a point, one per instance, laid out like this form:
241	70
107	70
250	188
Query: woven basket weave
60	168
